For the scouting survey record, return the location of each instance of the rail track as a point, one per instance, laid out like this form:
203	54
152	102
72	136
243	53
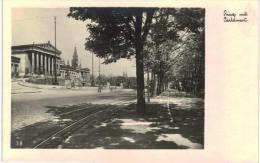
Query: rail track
86	116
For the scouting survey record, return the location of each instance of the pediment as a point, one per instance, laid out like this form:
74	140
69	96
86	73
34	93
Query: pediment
47	46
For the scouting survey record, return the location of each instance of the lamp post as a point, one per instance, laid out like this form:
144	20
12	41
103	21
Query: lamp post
99	67
92	79
99	79
55	59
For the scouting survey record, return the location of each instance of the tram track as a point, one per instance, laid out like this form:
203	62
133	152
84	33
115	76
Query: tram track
87	116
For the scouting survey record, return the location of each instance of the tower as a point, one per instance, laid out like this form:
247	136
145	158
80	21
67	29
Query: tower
75	59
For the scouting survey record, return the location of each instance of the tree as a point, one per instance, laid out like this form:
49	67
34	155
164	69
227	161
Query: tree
124	32
167	38
163	40
102	80
75	59
189	67
118	33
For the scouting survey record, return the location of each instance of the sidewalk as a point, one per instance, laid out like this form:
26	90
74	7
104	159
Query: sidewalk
125	129
57	87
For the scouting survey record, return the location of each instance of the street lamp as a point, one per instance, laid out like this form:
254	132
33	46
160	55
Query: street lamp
92	80
55	59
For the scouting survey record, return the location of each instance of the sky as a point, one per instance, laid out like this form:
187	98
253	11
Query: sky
37	25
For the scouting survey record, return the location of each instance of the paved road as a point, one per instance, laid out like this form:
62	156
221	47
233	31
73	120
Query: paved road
30	105
83	118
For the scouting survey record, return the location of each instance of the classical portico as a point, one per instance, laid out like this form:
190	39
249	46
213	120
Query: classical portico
37	59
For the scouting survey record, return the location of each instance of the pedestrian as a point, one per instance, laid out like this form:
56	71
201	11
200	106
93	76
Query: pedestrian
99	88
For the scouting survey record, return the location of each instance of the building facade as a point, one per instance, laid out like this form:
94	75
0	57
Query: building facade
37	59
74	72
15	62
77	75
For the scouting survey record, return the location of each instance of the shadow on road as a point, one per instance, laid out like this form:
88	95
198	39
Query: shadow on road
120	127
128	130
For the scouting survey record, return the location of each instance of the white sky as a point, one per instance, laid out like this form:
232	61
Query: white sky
37	25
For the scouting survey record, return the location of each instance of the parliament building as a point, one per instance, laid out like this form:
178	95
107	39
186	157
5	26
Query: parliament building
39	60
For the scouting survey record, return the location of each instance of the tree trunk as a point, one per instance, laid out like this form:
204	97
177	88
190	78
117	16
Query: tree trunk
139	65
155	84
148	86
152	84
160	83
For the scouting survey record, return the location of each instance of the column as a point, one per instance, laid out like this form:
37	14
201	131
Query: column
59	61
42	64
39	63
45	65
51	68
36	63
48	64
33	63
57	66
53	62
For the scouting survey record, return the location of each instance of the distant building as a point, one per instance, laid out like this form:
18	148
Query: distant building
39	59
35	59
82	75
75	59
74	72
15	62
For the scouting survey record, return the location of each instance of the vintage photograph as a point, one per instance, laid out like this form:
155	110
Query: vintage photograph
107	78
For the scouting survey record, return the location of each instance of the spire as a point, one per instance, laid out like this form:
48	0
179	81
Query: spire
75	50
75	59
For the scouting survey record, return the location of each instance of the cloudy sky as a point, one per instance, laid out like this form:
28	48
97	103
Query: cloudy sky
37	25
